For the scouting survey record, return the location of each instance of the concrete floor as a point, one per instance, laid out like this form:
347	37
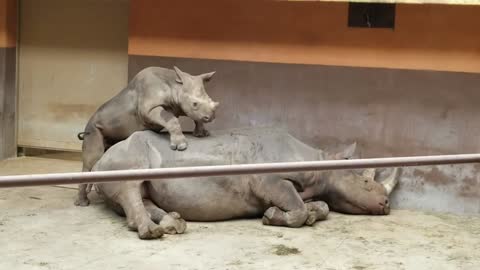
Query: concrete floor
41	229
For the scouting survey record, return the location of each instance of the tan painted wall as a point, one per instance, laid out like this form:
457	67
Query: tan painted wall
73	57
431	37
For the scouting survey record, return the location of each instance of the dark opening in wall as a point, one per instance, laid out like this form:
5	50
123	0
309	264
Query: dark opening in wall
371	15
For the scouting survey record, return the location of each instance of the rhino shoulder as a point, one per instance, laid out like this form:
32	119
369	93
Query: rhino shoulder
141	150
150	74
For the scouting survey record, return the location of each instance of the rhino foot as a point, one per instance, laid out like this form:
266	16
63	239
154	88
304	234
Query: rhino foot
172	223
317	211
82	202
179	144
150	230
82	199
277	217
201	133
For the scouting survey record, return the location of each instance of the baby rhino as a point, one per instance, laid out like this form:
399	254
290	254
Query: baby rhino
153	100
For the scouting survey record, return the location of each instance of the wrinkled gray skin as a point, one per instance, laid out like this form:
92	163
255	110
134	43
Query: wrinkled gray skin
153	100
287	199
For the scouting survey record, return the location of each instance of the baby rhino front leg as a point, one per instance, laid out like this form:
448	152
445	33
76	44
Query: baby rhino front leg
166	119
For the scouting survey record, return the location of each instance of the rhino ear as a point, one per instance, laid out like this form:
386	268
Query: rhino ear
348	152
206	77
180	75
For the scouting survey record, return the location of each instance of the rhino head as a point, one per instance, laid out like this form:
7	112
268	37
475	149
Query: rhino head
353	193
193	98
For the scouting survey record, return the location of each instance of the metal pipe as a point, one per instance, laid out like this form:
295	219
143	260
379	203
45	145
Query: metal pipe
199	171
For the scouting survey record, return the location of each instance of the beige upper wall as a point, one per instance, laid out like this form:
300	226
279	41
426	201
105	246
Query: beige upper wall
429	37
8	23
72	58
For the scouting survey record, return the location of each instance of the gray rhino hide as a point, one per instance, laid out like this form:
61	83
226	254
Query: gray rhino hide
287	199
153	100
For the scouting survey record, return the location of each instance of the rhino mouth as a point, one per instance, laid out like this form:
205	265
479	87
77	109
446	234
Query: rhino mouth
207	119
356	209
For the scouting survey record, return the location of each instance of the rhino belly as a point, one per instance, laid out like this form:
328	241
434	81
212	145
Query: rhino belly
206	199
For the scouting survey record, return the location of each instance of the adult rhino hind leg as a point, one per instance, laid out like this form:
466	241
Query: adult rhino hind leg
317	211
171	223
93	148
288	208
138	218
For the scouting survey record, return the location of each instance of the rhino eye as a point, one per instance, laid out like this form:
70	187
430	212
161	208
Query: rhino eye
195	104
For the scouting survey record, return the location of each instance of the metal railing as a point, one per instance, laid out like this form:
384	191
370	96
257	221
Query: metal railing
241	169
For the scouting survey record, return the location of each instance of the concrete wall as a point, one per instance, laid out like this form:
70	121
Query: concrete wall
8	95
410	91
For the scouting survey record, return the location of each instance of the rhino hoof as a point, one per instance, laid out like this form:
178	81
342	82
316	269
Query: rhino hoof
269	215
150	231
173	224
182	146
312	218
201	133
179	147
82	202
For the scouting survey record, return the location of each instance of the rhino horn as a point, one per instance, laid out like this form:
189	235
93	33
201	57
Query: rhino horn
369	173
347	153
391	181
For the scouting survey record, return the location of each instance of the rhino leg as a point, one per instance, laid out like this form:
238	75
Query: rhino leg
129	197
200	130
171	223
166	119
93	149
288	207
317	210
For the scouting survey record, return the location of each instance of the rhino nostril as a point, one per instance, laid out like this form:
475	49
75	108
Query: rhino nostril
386	202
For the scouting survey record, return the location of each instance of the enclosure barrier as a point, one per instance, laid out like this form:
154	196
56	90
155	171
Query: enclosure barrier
199	171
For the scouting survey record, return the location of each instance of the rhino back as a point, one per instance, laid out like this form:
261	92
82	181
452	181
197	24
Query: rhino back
237	146
153	76
118	117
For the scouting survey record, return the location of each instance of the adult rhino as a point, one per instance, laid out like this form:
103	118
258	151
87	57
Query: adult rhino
285	199
153	100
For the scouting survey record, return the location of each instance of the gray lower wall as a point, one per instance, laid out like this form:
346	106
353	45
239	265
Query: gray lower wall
387	112
7	103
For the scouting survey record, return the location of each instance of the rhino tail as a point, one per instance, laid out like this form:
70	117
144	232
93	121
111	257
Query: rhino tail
81	135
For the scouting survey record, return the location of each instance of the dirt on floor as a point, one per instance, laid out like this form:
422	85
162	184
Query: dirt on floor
40	228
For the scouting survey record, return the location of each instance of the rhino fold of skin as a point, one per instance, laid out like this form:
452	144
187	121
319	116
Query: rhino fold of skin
153	100
287	199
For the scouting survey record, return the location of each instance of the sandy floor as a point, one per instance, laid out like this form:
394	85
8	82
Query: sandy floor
41	229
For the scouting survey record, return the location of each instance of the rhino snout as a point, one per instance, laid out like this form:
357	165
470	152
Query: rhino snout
209	118
384	206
